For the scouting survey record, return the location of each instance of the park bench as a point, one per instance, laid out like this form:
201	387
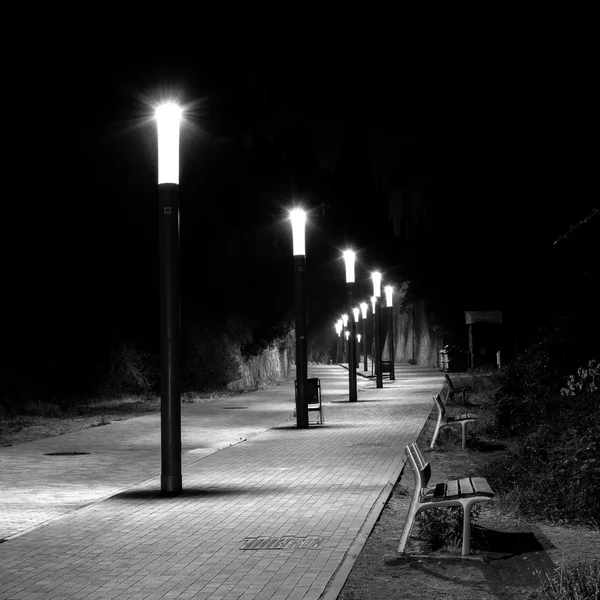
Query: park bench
386	367
456	389
313	398
463	492
444	421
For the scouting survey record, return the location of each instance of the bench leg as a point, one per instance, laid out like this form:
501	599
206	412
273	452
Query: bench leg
437	430
408	525
464	434
466	545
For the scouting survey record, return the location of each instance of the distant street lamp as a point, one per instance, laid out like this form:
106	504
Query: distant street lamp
376	276
373	304
349	258
339	343
356	313
298	218
389	297
344	329
168	118
364	307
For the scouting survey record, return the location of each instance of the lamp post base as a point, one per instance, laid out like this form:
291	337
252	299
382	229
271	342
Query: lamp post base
170	484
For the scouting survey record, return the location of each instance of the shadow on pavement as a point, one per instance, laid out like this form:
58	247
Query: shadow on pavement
186	493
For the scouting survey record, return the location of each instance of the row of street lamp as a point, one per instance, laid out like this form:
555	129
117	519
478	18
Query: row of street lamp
347	323
168	118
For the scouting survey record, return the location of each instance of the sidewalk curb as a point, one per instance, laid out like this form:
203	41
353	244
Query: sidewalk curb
334	587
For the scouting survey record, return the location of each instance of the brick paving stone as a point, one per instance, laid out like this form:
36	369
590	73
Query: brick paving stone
321	482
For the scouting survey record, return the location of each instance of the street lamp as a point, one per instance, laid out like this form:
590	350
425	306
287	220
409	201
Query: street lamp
344	344
349	258
338	342
356	313
389	295
376	276
168	118
364	307
298	219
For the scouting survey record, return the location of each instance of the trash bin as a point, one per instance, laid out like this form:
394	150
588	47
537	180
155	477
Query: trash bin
443	360
456	360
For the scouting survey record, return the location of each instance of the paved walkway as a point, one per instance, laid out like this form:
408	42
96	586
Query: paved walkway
280	513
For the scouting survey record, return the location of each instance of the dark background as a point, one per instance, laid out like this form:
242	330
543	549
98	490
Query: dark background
457	175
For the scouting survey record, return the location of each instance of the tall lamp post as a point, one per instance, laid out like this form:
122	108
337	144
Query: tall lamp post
168	118
364	307
356	313
345	331
376	275
349	258
298	218
389	297
338	342
373	302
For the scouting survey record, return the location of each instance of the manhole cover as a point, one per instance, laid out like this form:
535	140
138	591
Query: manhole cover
282	543
65	453
233	407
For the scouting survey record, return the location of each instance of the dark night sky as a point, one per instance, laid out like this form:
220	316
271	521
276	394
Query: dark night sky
508	161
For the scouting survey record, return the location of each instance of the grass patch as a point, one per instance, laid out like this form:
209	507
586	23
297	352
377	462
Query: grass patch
576	582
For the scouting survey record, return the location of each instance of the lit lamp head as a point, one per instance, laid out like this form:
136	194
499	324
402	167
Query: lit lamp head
338	327
345	320
356	313
358	337
347	334
373	301
349	258
168	118
376	276
298	218
389	293
364	307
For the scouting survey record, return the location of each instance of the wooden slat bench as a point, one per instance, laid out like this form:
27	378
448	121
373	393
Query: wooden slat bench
457	389
443	421
463	492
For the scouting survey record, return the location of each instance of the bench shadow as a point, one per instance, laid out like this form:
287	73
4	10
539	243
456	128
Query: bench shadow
484	446
505	544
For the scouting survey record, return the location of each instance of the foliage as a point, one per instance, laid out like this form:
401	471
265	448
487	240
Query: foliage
554	471
131	370
442	527
530	386
211	355
576	582
584	382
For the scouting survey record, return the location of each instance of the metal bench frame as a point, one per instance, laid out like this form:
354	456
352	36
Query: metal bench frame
456	389
458	492
313	397
443	421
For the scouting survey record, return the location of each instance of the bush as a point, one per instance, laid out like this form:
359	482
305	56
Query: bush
530	386
211	354
554	471
131	370
442	527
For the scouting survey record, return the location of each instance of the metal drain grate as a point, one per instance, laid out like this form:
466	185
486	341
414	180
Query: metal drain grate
282	543
65	453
